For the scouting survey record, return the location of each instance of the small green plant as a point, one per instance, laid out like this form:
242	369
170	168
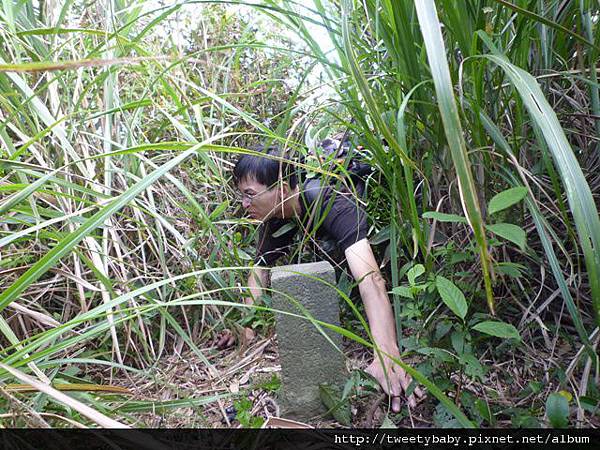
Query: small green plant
557	409
258	318
243	407
271	385
450	343
337	403
498	203
413	289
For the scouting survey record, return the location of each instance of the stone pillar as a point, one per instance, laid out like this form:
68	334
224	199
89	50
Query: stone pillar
307	358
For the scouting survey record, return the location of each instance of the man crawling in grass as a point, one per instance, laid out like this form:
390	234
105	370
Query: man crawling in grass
271	193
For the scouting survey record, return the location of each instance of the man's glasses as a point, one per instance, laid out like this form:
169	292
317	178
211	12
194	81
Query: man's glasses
241	196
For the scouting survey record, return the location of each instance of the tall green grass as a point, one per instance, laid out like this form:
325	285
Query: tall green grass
455	103
390	45
95	200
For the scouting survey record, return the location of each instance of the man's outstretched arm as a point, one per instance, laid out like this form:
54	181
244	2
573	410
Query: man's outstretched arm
392	378
257	280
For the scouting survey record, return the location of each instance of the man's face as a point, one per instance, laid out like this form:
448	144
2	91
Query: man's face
258	200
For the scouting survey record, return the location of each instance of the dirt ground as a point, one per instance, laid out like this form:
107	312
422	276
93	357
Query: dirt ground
251	373
240	387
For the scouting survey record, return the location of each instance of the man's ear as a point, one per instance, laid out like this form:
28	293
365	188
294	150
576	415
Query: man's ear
283	189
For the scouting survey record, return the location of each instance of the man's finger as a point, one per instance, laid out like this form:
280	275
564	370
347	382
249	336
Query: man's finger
419	392
404	381
396	403
249	335
396	388
225	340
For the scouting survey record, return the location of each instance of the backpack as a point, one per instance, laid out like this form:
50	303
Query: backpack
335	152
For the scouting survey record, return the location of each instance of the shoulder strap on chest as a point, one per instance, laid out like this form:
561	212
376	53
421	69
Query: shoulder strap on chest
312	188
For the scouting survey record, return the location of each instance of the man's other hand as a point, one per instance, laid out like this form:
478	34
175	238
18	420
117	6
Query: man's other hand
227	338
396	381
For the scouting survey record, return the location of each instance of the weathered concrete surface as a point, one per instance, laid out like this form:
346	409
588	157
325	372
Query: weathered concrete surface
307	357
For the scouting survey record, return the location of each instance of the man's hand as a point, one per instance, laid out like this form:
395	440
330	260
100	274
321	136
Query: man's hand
227	338
256	280
396	381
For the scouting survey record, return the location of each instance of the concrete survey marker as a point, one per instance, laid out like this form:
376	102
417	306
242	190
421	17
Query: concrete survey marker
307	358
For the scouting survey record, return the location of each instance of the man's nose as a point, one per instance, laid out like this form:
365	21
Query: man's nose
246	202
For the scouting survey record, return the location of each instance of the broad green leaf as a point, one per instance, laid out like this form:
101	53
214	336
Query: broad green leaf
403	291
557	410
498	329
589	404
510	232
443	217
506	199
284	229
452	296
483	408
440	354
415	273
460	342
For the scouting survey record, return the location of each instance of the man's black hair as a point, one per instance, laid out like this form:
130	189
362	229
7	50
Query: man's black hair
266	171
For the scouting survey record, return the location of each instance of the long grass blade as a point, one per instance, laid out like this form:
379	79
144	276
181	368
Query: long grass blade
361	83
83	409
436	55
546	21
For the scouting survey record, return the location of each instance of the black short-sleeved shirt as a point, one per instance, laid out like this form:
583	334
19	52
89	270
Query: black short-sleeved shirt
332	212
